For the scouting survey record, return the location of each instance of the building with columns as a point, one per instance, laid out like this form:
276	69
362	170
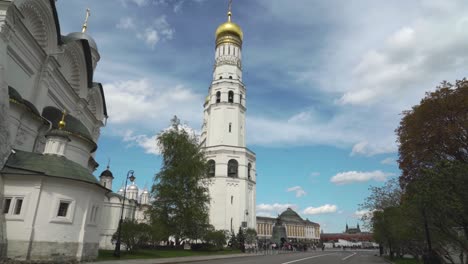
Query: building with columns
231	163
297	229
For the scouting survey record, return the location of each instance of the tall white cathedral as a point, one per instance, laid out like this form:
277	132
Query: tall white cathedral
232	164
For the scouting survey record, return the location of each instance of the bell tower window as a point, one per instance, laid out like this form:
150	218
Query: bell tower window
231	97
249	168
240	98
230	126
211	168
218	96
233	168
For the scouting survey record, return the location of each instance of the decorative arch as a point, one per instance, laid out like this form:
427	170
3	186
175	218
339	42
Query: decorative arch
211	168
73	67
233	168
40	18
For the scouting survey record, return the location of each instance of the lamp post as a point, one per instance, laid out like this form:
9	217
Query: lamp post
117	244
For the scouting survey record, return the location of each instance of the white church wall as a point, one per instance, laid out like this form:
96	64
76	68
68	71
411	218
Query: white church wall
78	150
24	128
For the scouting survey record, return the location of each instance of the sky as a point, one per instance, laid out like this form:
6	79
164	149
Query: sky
326	81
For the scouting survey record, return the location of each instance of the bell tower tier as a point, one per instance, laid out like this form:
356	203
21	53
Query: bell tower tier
231	165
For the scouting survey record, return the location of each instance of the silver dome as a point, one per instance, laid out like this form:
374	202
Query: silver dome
80	35
132	187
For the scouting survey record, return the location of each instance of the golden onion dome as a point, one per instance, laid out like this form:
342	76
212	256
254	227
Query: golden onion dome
228	29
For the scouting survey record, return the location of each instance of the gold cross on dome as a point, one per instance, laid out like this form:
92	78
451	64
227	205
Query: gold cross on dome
85	25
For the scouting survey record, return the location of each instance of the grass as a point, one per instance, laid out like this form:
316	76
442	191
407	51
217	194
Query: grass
405	261
160	253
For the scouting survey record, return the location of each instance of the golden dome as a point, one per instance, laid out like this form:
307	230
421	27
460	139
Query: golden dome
229	29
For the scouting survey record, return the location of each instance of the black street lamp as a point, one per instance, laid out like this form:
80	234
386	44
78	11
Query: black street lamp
117	244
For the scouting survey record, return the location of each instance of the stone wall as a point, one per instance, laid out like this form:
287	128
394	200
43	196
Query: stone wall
4	152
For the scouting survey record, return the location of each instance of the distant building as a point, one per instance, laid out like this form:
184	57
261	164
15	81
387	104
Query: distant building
297	229
350	234
136	204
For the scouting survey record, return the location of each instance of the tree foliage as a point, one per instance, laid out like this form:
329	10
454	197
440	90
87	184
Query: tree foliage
133	235
181	186
434	130
250	236
216	238
426	212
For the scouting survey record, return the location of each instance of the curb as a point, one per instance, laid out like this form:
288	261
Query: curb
175	259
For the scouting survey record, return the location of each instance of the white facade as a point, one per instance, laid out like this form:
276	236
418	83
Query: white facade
51	204
233	169
135	208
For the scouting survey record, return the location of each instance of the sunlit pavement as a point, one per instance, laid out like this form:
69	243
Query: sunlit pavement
312	257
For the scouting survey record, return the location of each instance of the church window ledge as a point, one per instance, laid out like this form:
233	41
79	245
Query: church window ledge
13	207
63	211
93	216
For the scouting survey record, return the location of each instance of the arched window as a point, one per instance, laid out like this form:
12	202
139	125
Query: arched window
230	127
232	228
240	98
249	168
231	96
218	96
230	77
220	77
232	168
211	168
232	199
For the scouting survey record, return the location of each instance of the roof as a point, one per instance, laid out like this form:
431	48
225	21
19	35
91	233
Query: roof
290	214
56	20
48	165
107	173
73	125
16	97
99	85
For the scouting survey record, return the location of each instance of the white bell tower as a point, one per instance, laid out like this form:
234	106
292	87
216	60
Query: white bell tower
232	165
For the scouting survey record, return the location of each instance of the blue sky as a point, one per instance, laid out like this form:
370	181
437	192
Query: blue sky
326	83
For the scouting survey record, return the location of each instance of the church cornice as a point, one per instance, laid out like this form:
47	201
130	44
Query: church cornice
224	149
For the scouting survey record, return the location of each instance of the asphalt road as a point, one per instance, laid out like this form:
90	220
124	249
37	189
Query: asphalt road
314	257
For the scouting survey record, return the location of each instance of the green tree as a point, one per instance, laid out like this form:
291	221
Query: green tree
133	235
241	239
181	186
250	236
434	130
233	242
216	238
440	202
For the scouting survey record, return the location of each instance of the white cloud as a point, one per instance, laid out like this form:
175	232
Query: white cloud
360	213
150	104
324	209
357	176
139	3
126	23
150	36
151	33
344	129
315	174
149	143
273	210
369	149
388	161
410	58
298	190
